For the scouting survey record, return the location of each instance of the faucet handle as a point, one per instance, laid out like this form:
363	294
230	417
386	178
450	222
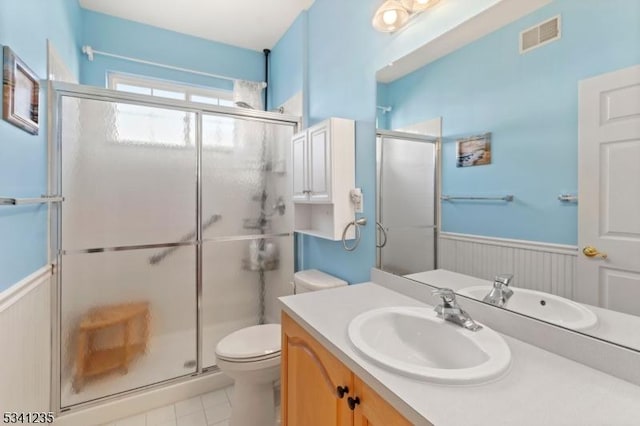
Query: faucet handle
448	296
503	279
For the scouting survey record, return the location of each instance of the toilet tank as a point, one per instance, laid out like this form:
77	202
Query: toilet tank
314	280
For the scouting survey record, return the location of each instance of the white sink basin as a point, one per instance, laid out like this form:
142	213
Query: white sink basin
416	343
547	307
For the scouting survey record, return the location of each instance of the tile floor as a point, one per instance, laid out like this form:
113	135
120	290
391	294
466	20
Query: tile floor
211	409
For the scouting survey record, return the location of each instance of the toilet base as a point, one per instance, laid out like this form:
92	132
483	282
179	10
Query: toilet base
253	404
253	401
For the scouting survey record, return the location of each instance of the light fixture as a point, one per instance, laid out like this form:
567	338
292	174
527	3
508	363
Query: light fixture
390	17
414	6
394	14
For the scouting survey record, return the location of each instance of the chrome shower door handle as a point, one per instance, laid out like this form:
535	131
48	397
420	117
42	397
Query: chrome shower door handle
384	234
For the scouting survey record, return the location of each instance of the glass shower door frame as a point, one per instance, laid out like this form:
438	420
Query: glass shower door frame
58	91
381	236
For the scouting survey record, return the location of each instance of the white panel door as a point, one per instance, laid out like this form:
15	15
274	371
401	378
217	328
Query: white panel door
609	191
320	164
300	184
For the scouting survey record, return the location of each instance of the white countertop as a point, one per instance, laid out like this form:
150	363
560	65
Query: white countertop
540	389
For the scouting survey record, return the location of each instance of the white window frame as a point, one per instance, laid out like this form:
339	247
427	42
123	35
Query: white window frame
114	78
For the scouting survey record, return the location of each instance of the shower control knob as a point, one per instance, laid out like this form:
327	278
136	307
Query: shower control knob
342	391
353	402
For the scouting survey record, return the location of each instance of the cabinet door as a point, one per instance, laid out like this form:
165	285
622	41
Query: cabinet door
372	410
300	167
310	379
320	163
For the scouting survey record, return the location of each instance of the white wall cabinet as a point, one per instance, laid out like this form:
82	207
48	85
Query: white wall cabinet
319	138
323	174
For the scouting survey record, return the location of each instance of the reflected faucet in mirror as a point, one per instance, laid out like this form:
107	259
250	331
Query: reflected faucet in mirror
450	311
500	293
577	263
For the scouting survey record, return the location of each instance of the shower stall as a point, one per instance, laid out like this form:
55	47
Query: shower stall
175	230
406	201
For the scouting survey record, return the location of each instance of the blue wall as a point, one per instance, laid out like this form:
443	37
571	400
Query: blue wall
288	63
338	61
530	104
24	26
344	53
132	39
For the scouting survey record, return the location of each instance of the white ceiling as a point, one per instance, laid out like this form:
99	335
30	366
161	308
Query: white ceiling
253	24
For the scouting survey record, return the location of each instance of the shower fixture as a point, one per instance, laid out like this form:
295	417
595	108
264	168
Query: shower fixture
280	206
242	104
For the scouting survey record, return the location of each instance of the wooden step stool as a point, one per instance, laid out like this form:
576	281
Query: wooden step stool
91	361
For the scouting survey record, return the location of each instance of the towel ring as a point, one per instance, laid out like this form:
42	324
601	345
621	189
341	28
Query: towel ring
357	223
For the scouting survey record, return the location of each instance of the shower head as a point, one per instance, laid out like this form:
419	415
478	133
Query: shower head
242	104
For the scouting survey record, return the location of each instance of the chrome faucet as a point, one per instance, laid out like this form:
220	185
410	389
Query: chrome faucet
500	293
450	311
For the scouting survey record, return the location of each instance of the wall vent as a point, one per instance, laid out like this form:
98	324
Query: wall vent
540	34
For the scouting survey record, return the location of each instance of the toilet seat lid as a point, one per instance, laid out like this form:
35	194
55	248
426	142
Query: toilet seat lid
251	342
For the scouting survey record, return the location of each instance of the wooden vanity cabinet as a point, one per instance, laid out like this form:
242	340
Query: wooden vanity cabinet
318	390
372	410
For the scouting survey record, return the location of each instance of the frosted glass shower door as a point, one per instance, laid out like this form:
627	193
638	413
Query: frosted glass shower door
406	205
128	249
245	185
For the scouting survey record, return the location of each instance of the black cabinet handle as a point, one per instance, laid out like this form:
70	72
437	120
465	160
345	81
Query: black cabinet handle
342	391
353	402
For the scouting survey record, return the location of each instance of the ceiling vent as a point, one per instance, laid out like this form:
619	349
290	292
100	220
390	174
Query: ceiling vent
539	35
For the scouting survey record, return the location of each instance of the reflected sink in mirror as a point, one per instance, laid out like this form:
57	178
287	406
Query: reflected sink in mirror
567	232
547	307
415	342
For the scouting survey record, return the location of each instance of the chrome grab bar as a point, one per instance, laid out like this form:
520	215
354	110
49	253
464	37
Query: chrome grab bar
157	258
508	198
45	199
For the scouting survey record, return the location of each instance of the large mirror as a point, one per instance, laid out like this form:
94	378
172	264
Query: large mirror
509	164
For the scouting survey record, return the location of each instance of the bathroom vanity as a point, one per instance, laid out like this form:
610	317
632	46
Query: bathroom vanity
318	389
320	362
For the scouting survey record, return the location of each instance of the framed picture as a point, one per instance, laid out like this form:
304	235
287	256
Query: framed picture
474	151
20	93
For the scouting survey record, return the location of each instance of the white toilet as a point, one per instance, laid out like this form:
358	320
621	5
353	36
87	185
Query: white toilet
251	357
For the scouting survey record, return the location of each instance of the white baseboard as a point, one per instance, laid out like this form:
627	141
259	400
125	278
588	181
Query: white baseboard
538	266
25	341
19	290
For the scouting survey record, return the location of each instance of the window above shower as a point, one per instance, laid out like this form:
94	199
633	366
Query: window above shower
169	128
168	89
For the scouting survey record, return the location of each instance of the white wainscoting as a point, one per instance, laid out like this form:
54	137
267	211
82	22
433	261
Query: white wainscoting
538	266
25	344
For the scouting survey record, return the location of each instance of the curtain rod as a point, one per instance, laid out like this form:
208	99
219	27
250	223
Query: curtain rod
90	52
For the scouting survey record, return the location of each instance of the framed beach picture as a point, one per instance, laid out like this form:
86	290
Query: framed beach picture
474	151
20	93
